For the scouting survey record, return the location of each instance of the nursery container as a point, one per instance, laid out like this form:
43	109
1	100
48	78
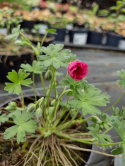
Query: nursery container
94	38
61	33
28	99
78	37
113	39
13	62
118	161
26	24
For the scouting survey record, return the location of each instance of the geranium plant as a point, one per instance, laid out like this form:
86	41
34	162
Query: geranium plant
53	126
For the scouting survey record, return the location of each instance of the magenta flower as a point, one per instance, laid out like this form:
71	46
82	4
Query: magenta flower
78	70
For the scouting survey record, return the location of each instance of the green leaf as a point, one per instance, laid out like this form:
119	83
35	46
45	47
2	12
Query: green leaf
13	88
24	124
3	118
117	150
51	31
18	79
119	126
10	132
121	75
22	116
88	99
55	56
15	33
74	85
36	67
103	138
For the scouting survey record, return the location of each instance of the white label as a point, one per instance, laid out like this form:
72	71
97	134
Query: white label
3	31
80	38
104	40
121	44
35	8
69	26
42	29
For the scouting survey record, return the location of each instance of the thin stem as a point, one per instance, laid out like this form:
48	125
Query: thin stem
74	139
109	144
86	140
107	130
29	44
114	103
22	98
43	39
42	80
79	134
62	114
63	93
68	124
59	89
9	121
51	86
34	87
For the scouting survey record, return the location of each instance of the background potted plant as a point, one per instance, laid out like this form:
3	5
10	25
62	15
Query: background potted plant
37	34
11	56
59	23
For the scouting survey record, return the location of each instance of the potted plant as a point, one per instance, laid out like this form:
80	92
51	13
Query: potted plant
50	129
59	23
11	56
79	34
95	35
9	20
37	34
111	24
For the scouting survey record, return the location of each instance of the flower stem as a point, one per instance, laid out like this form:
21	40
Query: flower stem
114	103
107	130
68	124
87	141
51	86
22	98
74	139
34	87
44	88
43	39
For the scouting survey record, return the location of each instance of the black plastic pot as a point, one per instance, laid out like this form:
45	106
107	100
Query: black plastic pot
113	39
61	33
73	33
94	38
28	100
9	63
28	24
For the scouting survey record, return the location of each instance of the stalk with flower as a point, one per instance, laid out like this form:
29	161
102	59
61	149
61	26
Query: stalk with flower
54	126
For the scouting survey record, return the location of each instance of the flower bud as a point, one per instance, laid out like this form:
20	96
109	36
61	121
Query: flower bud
53	102
48	75
31	107
19	42
11	106
40	101
38	113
